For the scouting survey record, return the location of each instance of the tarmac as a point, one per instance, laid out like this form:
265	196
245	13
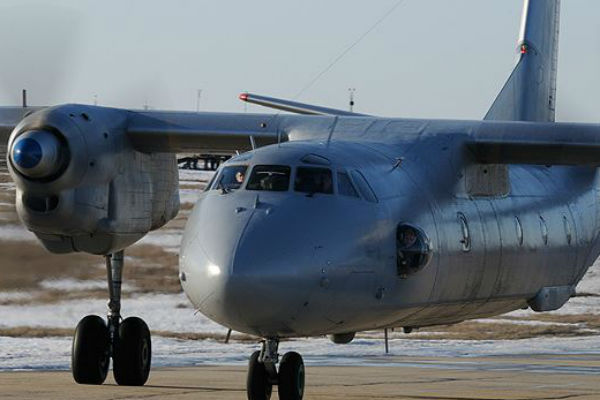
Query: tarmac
550	377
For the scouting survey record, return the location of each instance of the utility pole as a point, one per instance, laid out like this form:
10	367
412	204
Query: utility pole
198	95
95	99
351	100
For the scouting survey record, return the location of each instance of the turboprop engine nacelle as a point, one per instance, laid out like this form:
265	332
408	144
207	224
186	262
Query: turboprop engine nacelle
81	186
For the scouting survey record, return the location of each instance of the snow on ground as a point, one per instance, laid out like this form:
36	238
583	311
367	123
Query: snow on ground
591	281
168	239
162	312
194	176
55	353
15	295
69	284
15	233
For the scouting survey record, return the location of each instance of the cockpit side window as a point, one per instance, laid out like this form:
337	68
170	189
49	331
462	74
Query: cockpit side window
272	178
229	178
211	183
363	186
313	180
345	186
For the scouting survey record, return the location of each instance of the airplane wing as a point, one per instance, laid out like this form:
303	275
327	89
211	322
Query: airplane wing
536	143
174	131
164	131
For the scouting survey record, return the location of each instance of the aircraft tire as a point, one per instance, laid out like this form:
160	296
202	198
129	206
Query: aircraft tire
133	353
90	351
258	386
291	377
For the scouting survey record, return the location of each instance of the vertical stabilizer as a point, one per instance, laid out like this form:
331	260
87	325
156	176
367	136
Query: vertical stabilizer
530	92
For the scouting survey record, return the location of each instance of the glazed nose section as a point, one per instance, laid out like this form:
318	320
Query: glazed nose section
38	154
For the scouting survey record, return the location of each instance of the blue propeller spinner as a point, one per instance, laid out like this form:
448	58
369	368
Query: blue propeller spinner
27	153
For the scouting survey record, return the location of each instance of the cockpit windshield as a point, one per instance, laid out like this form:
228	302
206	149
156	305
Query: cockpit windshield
231	178
273	178
313	180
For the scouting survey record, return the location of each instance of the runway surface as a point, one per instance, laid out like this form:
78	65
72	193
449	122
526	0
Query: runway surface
448	378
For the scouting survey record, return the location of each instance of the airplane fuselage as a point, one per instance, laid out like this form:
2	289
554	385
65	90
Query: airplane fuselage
288	263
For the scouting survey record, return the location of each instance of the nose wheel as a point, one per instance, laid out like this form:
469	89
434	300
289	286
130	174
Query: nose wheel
262	374
127	342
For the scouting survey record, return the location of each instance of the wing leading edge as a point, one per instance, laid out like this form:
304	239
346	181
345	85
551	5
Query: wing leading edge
164	131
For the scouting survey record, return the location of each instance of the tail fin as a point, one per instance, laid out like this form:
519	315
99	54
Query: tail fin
530	92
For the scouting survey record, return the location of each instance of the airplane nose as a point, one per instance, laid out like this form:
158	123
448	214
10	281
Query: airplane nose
241	266
207	254
261	266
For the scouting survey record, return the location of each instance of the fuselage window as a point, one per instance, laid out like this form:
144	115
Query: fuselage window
363	186
568	231
413	250
345	186
313	180
519	230
464	230
231	178
272	178
544	229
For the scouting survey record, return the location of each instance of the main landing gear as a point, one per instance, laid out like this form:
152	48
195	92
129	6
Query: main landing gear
127	341
262	373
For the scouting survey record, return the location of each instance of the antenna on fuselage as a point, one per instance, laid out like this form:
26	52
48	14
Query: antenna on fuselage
24	97
351	99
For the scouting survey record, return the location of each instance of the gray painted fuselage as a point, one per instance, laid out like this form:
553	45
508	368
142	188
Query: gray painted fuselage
287	264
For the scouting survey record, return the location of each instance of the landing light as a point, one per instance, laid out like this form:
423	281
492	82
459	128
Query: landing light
213	270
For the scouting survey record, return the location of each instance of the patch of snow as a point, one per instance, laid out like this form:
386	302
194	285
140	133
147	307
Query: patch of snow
168	239
162	312
192	175
14	296
189	195
69	284
520	322
591	281
54	353
16	233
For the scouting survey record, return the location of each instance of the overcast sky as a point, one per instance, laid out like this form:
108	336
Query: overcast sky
429	58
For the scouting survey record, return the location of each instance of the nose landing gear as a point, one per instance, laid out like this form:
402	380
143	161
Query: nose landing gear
127	342
262	373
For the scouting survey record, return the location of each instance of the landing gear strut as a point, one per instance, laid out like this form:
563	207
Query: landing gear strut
262	373
127	342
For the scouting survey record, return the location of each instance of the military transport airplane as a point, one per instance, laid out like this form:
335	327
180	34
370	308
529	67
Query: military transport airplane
336	223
